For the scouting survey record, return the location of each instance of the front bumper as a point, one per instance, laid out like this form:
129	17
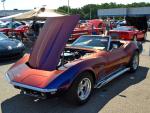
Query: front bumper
33	88
32	91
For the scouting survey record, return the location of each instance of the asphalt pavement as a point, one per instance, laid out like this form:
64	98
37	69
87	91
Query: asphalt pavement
129	93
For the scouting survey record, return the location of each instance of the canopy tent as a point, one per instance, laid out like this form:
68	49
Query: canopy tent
38	14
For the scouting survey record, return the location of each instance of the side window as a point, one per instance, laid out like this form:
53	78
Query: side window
115	45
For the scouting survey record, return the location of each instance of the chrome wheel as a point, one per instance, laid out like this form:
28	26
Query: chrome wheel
135	62
84	88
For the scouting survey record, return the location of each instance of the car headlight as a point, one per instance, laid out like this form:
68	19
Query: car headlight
9	48
20	44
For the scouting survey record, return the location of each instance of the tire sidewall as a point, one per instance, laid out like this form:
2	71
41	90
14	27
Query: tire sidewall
132	69
72	94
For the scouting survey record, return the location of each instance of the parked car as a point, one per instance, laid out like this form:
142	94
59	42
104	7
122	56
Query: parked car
128	33
121	23
10	24
10	48
15	27
90	62
95	26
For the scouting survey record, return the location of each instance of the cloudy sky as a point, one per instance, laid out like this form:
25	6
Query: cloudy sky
53	4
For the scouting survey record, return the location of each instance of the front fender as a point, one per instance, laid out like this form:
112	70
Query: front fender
66	78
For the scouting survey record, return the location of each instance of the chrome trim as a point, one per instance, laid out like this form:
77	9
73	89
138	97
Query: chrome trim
108	47
103	82
33	88
27	86
7	77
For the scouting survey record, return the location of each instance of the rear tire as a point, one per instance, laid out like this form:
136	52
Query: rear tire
134	62
81	89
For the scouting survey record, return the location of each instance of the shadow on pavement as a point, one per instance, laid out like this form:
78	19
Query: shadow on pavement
25	104
8	61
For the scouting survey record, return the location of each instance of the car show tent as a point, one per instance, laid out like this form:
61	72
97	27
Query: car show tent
38	14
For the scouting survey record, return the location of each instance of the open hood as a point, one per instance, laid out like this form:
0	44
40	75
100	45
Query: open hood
51	42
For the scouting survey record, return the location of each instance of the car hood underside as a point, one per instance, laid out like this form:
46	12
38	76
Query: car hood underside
51	42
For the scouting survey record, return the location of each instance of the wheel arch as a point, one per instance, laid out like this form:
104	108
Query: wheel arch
92	73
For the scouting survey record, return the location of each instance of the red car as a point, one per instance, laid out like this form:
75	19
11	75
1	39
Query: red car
95	26
90	62
128	33
17	30
81	29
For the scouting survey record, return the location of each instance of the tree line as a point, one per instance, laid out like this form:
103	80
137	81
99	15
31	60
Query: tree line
90	11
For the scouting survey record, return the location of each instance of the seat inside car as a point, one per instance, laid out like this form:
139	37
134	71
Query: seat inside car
115	43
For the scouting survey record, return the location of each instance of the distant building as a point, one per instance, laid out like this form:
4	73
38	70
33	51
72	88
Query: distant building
139	11
11	12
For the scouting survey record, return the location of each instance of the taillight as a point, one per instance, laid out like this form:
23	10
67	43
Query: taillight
124	36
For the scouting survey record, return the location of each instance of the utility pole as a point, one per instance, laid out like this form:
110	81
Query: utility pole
90	13
68	7
90	6
3	1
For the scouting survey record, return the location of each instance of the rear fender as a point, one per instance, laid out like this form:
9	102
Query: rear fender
132	47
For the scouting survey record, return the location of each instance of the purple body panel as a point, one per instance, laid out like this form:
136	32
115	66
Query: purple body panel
51	42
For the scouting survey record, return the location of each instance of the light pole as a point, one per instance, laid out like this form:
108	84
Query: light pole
90	13
3	1
68	6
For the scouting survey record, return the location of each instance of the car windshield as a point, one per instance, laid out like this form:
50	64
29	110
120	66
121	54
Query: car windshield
123	29
2	36
92	42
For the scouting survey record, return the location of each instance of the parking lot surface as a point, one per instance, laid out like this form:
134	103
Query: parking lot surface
130	93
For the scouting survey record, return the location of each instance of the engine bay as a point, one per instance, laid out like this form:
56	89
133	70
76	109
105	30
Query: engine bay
70	54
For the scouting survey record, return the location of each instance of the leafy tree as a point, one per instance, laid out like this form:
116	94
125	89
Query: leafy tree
90	11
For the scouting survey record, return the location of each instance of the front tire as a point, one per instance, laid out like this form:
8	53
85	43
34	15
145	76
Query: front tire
81	89
134	63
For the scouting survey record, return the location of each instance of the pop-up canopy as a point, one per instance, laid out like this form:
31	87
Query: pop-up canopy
38	14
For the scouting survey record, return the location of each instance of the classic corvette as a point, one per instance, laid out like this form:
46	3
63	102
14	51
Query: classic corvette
90	62
10	48
128	33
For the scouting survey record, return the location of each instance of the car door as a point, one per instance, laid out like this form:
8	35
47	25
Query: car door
116	59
